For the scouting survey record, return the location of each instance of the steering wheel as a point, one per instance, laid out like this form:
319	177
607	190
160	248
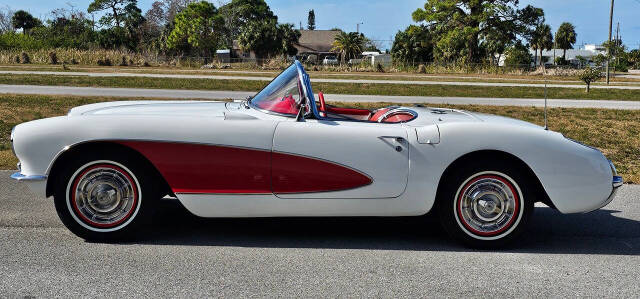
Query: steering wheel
323	107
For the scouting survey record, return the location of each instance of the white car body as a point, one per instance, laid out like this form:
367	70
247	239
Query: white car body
404	161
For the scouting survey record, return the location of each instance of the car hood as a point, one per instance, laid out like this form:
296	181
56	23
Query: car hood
173	108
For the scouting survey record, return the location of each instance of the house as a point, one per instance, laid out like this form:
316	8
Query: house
573	55
316	44
239	55
313	44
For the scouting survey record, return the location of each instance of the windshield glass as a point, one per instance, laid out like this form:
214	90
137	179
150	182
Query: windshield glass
282	95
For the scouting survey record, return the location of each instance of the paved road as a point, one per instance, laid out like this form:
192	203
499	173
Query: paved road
218	95
594	255
358	81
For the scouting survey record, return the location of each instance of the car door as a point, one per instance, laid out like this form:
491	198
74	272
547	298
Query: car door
339	159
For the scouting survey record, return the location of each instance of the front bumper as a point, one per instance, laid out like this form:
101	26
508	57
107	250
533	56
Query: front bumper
36	183
18	176
616	182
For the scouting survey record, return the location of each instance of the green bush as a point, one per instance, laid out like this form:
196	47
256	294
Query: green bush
590	75
561	61
12	40
517	55
53	57
25	58
105	62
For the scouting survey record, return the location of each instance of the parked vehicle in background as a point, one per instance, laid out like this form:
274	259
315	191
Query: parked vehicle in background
330	60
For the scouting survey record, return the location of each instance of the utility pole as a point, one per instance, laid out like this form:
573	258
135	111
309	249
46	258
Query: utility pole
609	46
358	27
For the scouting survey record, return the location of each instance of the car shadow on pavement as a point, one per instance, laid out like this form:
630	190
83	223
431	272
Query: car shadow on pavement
598	232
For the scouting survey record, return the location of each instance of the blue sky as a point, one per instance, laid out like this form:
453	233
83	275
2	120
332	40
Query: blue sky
383	18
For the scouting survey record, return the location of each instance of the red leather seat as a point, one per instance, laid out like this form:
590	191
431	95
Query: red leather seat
376	116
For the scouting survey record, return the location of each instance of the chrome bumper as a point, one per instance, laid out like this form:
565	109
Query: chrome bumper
616	182
28	178
18	176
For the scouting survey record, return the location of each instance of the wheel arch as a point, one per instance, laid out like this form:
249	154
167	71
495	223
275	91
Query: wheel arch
538	189
58	164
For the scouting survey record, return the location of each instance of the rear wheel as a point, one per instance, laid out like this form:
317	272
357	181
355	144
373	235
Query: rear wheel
485	205
105	196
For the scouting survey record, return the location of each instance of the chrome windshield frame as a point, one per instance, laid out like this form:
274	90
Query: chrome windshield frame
304	88
307	90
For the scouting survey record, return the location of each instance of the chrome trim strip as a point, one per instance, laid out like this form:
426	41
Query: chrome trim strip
28	178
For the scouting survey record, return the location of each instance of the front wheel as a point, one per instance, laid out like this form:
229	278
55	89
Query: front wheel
485	206
104	197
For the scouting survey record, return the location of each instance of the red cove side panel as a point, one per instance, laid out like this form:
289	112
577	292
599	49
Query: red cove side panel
298	174
199	168
212	169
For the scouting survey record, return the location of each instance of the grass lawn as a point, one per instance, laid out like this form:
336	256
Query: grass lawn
339	88
615	132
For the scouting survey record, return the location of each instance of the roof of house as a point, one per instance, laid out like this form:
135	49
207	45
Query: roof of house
320	41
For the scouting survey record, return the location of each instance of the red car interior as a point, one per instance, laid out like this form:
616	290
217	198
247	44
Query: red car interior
376	116
363	114
396	117
286	105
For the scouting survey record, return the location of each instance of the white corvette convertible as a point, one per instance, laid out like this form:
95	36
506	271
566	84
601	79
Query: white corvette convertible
282	153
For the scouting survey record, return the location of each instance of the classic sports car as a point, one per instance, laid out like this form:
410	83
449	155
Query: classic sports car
282	153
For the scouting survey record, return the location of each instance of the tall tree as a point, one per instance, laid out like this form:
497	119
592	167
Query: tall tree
261	37
311	20
495	43
25	21
115	8
348	45
155	17
542	40
459	24
199	25
413	45
565	38
289	37
238	13
6	14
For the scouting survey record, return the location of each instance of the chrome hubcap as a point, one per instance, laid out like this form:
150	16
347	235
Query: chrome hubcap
488	205
104	196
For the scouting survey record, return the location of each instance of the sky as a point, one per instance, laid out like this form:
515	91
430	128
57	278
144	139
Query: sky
383	18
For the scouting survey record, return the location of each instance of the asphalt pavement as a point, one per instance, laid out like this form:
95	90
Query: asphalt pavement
219	95
594	255
323	80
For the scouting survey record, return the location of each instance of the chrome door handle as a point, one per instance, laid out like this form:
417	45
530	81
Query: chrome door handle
397	138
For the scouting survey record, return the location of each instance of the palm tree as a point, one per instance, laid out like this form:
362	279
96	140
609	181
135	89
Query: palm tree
348	45
565	38
542	39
